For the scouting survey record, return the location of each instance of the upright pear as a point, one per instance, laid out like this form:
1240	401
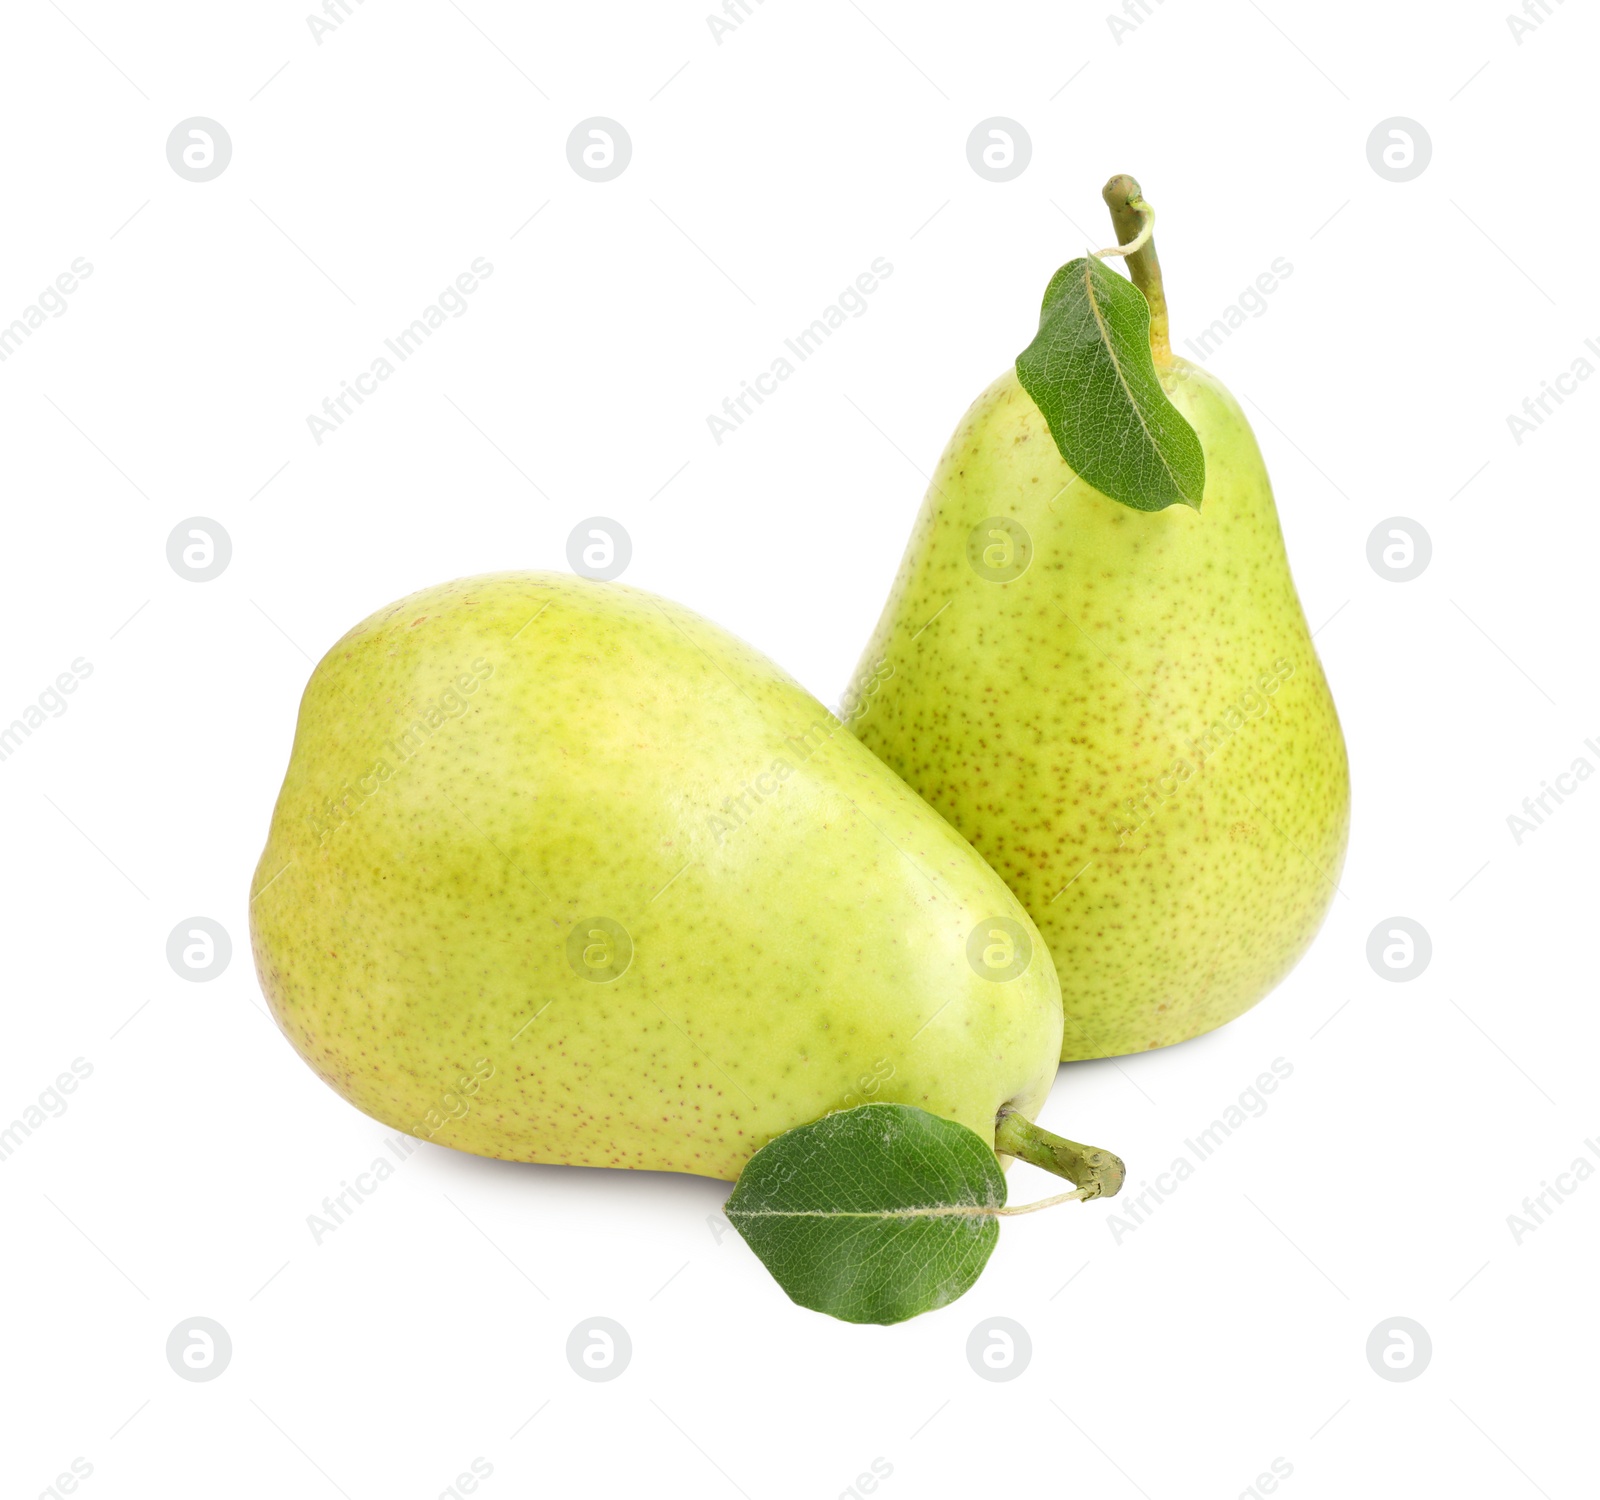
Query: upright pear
1121	708
561	872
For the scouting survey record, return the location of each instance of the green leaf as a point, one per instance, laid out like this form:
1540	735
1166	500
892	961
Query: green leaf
1089	370
873	1214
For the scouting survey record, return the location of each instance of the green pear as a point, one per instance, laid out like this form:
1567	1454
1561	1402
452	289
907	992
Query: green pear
1122	709
561	872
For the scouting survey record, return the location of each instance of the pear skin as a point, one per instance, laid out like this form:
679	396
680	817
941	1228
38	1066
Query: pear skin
561	872
1133	729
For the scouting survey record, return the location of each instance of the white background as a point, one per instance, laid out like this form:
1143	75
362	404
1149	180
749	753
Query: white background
1186	1354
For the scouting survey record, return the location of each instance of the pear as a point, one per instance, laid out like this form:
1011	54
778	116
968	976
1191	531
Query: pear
561	872
1122	709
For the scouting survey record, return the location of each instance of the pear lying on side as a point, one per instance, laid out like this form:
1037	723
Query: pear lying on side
1121	708
561	872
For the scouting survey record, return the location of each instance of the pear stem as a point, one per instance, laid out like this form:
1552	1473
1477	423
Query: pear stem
1096	1173
1133	219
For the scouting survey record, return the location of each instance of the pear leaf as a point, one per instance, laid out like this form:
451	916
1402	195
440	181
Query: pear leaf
872	1214
1089	370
